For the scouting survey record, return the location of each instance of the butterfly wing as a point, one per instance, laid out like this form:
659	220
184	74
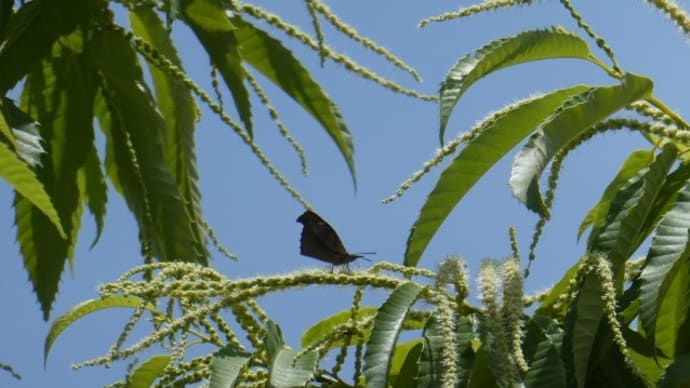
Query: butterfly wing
320	241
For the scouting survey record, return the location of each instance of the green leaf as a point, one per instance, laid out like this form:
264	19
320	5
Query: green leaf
677	374
86	308
278	64
180	113
620	236
59	94
482	376
673	310
212	26
31	32
542	349
226	366
94	191
547	306
403	371
586	322
135	159
430	361
22	179
325	327
668	252
464	335
5	131
496	138
145	375
636	161
528	46
384	335
430	366
290	369
287	369
568	122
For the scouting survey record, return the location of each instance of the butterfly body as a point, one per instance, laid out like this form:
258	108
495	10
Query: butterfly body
320	241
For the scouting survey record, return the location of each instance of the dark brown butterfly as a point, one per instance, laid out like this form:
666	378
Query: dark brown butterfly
320	241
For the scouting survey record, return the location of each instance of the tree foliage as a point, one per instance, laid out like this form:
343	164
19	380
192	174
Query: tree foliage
610	321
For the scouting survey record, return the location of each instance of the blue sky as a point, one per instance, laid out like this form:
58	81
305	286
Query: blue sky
393	136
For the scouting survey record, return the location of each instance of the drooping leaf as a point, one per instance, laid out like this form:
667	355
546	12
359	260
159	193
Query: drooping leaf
135	159
542	349
209	21
384	335
268	55
528	46
146	374
620	236
60	95
667	254
430	361
180	113
568	122
636	161
226	366
22	179
88	307
496	139
94	191
31	31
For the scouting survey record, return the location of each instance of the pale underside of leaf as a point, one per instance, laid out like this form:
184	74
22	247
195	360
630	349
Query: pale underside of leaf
496	139
566	124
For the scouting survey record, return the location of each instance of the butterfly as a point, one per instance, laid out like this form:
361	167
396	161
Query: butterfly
320	241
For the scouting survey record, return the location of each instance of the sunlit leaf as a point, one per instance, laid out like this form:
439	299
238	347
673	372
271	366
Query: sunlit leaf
83	309
568	122
226	366
181	113
384	335
496	139
59	94
636	161
528	46
135	159
620	236
210	23
667	254
278	64
146	374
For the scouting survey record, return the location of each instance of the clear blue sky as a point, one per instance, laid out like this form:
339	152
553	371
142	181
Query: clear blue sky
393	136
